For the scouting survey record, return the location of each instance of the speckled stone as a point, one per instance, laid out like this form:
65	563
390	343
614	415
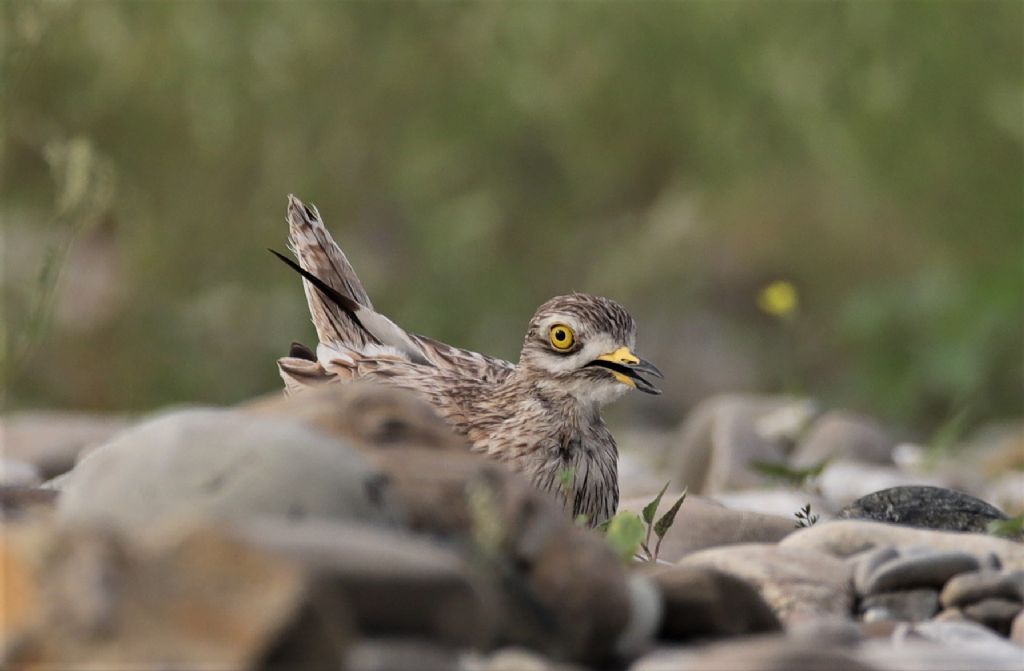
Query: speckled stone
924	507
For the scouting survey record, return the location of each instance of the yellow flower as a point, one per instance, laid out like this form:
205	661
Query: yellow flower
779	299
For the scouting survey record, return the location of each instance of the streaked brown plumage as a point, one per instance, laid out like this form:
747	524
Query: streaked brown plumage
541	416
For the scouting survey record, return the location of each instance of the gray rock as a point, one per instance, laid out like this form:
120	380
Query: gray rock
797	584
907	571
839	434
15	473
225	465
950	615
912	605
924	507
997	614
702	523
700	602
844	538
778	501
52	441
970	587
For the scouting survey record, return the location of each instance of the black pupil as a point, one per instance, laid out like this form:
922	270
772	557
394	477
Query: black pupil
559	335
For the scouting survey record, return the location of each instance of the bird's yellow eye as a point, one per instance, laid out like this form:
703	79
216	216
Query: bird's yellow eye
561	337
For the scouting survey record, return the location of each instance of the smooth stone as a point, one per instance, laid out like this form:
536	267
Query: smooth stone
997	614
970	587
924	507
843	538
397	654
724	435
762	653
912	605
513	659
950	615
1017	629
797	584
840	434
52	440
703	523
943	646
374	569
226	465
701	602
844	481
14	473
866	563
921	570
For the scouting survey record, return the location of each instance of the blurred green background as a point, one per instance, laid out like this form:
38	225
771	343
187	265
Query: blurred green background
475	159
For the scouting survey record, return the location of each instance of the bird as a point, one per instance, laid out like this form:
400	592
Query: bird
540	416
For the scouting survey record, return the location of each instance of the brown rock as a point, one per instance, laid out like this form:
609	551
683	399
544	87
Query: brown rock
767	653
1017	629
395	584
701	602
797	584
703	523
87	598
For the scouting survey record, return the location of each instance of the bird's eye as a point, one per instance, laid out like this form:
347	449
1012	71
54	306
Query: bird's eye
561	337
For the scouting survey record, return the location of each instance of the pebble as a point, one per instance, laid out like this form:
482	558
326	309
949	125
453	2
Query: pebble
914	605
844	538
923	570
997	614
971	587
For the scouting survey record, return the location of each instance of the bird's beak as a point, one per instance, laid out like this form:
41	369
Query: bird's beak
626	368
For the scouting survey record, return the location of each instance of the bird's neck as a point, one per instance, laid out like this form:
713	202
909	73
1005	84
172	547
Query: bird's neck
554	395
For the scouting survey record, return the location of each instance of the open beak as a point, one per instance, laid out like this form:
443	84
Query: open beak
626	367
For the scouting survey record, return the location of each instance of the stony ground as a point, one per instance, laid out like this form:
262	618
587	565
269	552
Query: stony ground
353	531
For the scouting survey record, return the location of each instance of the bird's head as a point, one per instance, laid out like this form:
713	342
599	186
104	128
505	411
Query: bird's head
583	345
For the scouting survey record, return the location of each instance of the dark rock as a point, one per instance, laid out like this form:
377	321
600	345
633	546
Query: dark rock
997	614
912	605
701	602
970	587
927	569
924	507
16	501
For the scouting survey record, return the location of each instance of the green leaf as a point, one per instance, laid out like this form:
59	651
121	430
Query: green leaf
786	473
625	534
651	508
1011	528
665	523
